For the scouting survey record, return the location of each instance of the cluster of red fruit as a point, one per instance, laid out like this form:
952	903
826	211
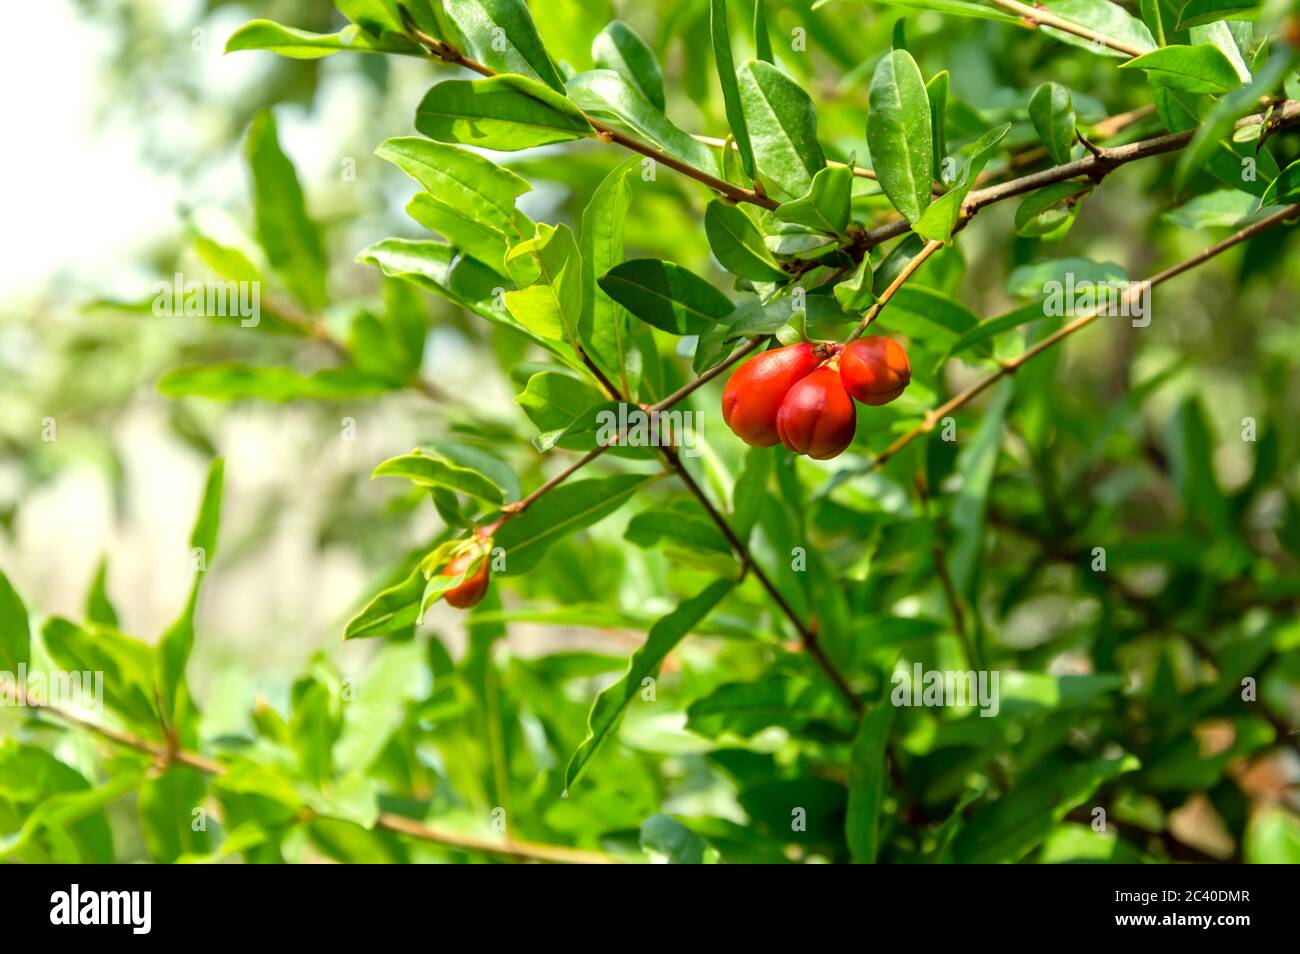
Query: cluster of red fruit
799	395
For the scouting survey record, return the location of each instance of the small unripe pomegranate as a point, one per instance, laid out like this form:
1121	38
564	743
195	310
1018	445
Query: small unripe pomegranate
754	394
817	417
875	370
465	594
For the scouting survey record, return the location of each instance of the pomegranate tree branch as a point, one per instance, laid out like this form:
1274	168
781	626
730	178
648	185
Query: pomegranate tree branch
397	824
1010	367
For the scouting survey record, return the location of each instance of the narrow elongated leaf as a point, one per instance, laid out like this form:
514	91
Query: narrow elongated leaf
426	471
392	610
15	631
566	510
305	45
666	295
960	8
608	708
762	39
471	236
1284	189
610	93
1049	213
506	112
286	232
99	608
731	98
1052	113
603	328
1200	12
1194	69
738	245
936	91
899	135
867	774
941	217
548	271
619	48
501	34
460	178
782	123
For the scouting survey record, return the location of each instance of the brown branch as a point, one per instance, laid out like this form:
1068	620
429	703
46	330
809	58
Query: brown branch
916	262
1092	166
1011	366
448	54
397	824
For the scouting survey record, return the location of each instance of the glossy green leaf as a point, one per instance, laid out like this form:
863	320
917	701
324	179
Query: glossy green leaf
505	112
737	243
471	236
1199	12
603	328
99	607
609	95
571	507
762	39
1049	213
899	134
548	270
1052	113
427	471
1195	69
665	295
826	207
868	771
1282	190
942	216
960	8
1101	17
619	48
460	178
305	45
391	610
607	710
936	91
501	34
854	293
720	33
782	124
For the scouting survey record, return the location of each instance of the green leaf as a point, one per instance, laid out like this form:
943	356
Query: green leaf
976	462
548	270
1273	837
685	531
1008	828
868	770
501	35
619	48
379	17
1218	123
608	94
1052	113
681	846
128	668
99	608
925	314
286	232
854	293
664	635
936	91
826	206
747	708
737	244
428	471
569	508
1033	280
899	134
15	631
232	382
1200	12
305	45
666	295
782	122
394	609
941	218
208	521
554	400
981	333
1049	213
1194	69
166	806
461	179
720	34
470	236
604	325
1283	190
960	8
1102	17
505	112
762	39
